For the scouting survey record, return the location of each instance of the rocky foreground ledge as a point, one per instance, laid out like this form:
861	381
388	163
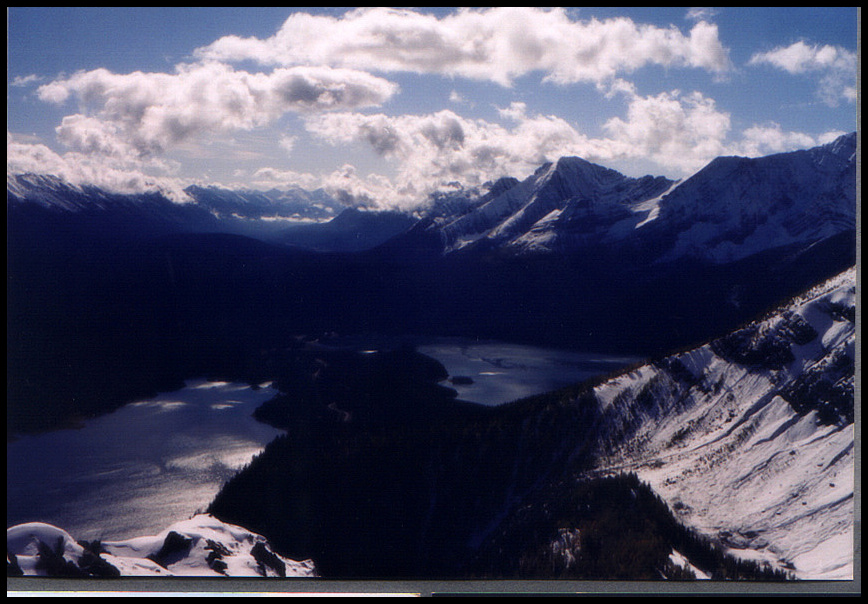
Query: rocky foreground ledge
202	546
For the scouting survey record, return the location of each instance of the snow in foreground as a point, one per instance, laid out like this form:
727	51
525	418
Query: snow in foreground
201	546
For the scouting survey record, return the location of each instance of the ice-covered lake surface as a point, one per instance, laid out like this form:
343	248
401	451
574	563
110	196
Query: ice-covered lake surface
503	372
155	462
137	470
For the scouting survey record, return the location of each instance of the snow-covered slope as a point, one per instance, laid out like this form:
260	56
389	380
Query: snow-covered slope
201	546
735	206
750	438
506	213
51	192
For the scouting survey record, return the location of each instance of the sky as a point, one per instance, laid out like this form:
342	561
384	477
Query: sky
387	105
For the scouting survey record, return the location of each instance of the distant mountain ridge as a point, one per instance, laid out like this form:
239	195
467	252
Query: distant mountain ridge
293	204
509	215
732	208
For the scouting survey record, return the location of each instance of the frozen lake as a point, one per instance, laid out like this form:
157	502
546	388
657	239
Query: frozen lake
135	471
503	372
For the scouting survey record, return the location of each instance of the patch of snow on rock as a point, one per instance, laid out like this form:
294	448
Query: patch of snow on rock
199	547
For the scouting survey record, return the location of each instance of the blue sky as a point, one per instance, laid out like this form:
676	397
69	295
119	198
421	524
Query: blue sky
391	104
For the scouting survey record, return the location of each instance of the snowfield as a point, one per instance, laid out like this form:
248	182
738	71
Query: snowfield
199	547
718	440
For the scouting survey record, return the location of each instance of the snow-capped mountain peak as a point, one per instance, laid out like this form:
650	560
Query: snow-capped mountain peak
507	213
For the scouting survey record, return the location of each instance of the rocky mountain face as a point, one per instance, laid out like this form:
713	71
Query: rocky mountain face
507	215
750	438
729	210
735	207
747	439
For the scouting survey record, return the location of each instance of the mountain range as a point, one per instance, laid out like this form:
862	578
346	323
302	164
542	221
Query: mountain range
738	281
733	208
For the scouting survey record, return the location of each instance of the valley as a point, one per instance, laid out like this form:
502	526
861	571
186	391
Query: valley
724	305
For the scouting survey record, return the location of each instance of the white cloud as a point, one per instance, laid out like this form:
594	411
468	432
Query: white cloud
677	131
831	136
495	44
152	112
268	178
93	136
21	81
762	140
771	138
701	13
345	184
287	143
801	57
835	67
124	123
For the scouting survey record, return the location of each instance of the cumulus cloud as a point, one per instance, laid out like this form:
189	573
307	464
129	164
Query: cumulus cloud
495	44
268	178
93	136
152	112
676	130
771	138
834	66
801	57
321	68
679	132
